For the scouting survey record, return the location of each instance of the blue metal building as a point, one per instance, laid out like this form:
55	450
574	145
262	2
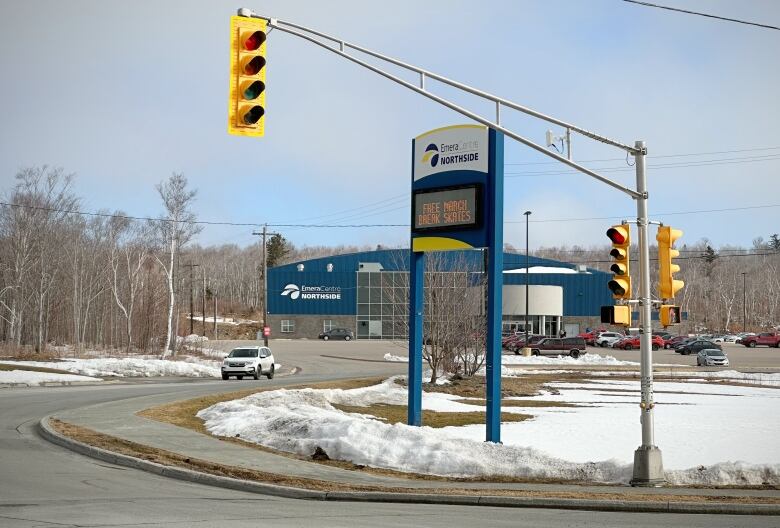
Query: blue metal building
366	292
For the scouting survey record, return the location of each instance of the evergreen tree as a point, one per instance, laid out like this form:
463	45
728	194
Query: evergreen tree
774	242
276	248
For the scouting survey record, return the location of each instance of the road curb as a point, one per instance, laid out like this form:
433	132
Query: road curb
48	433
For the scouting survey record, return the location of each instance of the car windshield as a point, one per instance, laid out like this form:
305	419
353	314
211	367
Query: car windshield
713	352
243	353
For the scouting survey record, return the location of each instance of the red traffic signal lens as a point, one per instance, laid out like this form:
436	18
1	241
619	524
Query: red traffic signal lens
254	41
616	236
254	90
254	66
254	115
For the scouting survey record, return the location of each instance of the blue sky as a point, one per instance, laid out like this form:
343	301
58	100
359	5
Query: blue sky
124	93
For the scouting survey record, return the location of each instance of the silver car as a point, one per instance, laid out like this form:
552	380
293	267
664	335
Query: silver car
712	357
607	339
249	361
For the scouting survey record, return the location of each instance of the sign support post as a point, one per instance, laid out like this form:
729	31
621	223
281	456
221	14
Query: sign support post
416	304
495	283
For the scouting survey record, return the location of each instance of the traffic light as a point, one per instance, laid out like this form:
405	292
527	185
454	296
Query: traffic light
246	104
616	315
669	315
620	285
667	284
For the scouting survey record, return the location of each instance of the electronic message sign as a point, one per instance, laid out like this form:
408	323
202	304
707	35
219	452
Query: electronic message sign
447	208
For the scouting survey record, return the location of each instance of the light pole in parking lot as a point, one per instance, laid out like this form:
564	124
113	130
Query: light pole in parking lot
527	214
744	303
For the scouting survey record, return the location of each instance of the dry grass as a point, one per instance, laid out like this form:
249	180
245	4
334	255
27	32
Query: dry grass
398	414
168	458
8	366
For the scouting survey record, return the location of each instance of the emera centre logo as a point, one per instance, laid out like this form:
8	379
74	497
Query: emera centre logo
328	293
292	290
432	154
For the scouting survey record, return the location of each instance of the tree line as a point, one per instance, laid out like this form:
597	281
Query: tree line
107	280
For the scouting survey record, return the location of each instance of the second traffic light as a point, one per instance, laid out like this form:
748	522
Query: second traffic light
246	104
667	284
620	285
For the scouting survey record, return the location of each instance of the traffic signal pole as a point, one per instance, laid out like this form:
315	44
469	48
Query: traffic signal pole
648	464
648	469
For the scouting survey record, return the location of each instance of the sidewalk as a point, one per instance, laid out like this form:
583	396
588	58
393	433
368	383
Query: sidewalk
118	419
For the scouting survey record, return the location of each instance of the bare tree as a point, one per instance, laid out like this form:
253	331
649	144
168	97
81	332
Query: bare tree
175	229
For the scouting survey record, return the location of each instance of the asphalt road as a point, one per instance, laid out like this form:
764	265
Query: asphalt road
42	485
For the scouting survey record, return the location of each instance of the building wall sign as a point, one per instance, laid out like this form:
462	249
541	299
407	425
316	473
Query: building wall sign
308	292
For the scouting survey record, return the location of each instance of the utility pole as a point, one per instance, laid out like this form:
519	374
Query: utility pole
214	294
192	314
264	233
203	300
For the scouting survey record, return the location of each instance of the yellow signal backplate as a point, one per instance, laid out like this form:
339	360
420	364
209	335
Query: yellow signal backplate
240	28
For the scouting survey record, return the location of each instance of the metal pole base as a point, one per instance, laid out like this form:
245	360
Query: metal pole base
648	467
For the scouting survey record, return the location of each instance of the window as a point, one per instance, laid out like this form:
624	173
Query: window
288	326
327	324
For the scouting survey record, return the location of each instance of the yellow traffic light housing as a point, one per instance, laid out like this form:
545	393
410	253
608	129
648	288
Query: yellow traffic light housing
667	284
620	285
616	315
669	315
246	104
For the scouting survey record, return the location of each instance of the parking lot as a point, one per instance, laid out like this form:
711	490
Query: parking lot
740	357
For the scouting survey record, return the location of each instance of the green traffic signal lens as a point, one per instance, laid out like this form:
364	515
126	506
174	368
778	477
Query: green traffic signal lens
254	90
254	115
616	288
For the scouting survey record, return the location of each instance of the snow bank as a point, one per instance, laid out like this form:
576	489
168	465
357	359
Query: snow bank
586	359
133	367
564	441
29	377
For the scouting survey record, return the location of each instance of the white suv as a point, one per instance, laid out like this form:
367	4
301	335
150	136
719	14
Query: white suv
249	361
606	339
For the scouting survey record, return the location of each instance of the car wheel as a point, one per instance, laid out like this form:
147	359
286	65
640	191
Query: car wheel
270	373
686	352
240	377
575	354
628	347
535	352
347	338
256	375
225	376
667	347
752	344
325	338
517	352
656	347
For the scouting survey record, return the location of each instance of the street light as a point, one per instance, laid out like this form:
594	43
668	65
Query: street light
744	303
527	265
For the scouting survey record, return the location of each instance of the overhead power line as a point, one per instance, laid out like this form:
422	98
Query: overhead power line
687	12
357	225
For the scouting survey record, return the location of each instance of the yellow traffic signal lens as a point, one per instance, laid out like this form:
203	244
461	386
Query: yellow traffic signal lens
618	287
253	90
254	41
618	269
253	66
618	254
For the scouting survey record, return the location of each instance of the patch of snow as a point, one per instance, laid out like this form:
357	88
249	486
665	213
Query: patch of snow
29	377
396	359
585	359
133	367
723	430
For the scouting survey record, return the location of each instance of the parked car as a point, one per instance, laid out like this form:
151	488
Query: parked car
249	361
663	335
742	336
709	357
590	337
337	333
632	342
674	341
694	346
606	339
553	346
519	344
771	339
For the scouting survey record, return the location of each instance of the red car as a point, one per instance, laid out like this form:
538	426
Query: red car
632	342
673	341
770	339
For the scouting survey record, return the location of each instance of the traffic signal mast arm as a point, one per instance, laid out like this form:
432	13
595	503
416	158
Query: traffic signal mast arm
343	47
